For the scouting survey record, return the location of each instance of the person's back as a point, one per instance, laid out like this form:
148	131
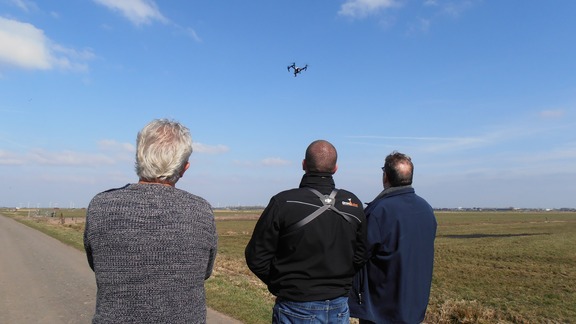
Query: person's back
394	286
316	261
148	255
308	243
151	245
409	255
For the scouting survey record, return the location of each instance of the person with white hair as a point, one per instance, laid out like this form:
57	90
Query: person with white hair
151	245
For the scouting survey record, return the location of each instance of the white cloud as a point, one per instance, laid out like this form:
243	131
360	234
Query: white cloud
10	158
437	144
187	32
274	161
203	148
512	132
139	12
362	8
67	158
109	152
267	162
243	163
456	8
114	145
421	26
427	11
557	113
22	45
25	5
192	34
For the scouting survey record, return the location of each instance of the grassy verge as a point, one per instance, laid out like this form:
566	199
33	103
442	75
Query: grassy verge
490	267
69	233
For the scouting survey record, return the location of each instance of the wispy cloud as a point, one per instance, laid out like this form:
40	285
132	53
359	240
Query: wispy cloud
209	149
435	144
25	46
556	113
109	152
267	162
24	5
428	11
453	8
115	145
275	161
67	158
494	136
138	12
145	12
363	8
10	158
192	34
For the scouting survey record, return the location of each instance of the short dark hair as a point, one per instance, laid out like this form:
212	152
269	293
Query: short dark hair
399	169
321	156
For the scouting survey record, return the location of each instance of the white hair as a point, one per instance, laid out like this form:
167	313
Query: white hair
163	148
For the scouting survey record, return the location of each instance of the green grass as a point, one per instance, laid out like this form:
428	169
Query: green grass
69	233
233	289
490	267
518	267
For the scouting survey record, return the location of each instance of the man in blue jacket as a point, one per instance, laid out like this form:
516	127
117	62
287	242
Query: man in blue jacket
394	285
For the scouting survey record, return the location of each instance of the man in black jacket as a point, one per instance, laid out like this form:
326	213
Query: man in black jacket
309	242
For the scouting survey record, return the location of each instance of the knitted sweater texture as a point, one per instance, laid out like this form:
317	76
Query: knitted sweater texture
151	248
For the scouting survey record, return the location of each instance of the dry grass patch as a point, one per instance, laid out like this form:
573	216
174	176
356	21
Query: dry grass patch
489	268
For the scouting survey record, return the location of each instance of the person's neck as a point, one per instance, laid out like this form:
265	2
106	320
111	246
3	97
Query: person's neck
156	182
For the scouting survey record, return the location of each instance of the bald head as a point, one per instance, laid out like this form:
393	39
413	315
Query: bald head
398	169
321	156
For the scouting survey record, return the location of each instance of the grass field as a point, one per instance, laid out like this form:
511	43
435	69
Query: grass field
490	267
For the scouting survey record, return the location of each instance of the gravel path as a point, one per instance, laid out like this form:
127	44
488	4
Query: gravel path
45	281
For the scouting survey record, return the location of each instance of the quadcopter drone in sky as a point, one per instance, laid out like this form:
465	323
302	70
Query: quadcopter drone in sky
296	69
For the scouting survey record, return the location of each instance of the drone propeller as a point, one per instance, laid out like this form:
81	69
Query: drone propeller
296	69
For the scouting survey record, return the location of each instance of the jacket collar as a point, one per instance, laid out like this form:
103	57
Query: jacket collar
320	181
393	191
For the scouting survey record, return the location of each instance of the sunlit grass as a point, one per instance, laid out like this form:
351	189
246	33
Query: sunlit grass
490	267
516	266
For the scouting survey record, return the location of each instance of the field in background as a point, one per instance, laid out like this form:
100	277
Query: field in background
505	267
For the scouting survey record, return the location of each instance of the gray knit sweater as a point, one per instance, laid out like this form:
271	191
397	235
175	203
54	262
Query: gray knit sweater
151	248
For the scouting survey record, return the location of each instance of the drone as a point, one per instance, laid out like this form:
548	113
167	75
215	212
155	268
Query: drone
296	69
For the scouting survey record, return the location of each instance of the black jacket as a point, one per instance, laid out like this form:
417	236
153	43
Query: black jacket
318	260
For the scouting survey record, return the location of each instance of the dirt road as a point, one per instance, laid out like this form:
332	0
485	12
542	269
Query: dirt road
45	281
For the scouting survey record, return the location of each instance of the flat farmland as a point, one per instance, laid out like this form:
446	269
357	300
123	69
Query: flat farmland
490	267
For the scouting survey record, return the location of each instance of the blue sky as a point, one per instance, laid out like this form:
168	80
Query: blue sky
481	94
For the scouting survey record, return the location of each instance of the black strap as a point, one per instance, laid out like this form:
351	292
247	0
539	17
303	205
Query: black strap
328	202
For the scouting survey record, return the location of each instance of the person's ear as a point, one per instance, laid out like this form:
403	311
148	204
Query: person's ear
185	168
335	168
304	165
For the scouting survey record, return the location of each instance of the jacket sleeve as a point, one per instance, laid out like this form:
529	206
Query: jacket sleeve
261	248
383	235
87	246
361	254
212	256
88	250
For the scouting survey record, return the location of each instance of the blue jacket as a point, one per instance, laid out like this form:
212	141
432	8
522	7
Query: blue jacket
394	285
